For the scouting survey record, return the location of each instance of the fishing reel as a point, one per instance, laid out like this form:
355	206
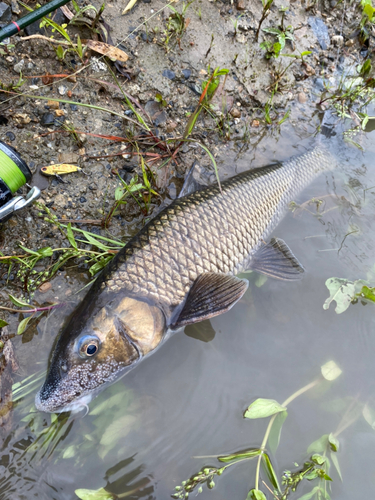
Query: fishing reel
14	173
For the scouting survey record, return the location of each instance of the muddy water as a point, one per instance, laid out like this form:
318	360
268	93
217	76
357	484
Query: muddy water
145	434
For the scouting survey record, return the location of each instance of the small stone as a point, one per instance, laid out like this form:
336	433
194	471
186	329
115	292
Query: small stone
255	123
10	136
59	112
349	43
338	40
302	98
82	199
241	5
186	73
21	119
5	14
15	7
168	73
53	104
19	66
45	287
73	107
72	79
62	89
47	120
171	126
235	112
59	121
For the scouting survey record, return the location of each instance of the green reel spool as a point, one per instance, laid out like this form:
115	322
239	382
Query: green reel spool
13	170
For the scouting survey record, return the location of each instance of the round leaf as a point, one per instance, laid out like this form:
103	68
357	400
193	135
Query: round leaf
256	495
262	408
330	370
100	494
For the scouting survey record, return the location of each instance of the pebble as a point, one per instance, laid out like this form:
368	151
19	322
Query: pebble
235	112
19	66
255	123
15	7
73	107
47	120
302	98
338	40
168	73
171	126
10	136
53	104
5	13
21	118
45	287
241	5
186	73
62	90
82	199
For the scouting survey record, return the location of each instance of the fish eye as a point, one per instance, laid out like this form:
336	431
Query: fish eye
88	346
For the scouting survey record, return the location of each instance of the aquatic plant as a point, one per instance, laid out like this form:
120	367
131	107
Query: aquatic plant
315	468
345	292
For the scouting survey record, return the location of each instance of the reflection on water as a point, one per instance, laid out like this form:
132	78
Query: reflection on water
143	435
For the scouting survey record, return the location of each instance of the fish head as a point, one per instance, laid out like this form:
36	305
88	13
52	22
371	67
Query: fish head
112	342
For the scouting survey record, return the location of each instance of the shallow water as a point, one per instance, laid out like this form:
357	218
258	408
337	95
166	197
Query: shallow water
143	435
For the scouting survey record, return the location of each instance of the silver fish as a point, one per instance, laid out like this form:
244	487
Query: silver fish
178	270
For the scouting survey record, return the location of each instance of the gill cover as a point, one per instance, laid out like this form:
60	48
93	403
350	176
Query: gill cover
113	341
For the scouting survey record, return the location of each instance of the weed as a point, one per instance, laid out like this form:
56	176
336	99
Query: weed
315	468
32	274
267	4
176	26
282	35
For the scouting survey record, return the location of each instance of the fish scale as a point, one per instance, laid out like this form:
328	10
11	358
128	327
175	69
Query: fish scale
210	231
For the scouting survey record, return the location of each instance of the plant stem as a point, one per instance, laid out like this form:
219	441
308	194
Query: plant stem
31	311
270	423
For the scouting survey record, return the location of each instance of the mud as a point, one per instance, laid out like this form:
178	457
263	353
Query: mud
218	34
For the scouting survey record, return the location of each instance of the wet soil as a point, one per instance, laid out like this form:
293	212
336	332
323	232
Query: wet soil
217	34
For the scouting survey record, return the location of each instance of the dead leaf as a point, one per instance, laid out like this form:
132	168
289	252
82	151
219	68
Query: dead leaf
67	13
107	50
129	6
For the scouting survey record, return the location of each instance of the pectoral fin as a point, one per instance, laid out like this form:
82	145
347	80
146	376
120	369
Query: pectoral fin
196	180
277	260
210	295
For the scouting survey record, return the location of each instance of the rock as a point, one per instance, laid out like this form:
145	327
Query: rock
19	66
82	199
338	40
15	7
321	31
171	126
53	104
302	98
21	119
168	73
5	14
10	136
97	65
186	73
349	43
60	201
62	89
34	29
235	112
160	118
45	287
73	107
47	120
59	112
68	158
255	123
241	5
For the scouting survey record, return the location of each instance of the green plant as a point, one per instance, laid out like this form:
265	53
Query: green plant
282	35
367	20
316	468
267	4
176	25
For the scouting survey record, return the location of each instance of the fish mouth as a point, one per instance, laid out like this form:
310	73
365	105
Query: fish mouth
75	406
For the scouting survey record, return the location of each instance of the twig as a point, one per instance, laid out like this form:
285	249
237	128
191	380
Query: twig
51	40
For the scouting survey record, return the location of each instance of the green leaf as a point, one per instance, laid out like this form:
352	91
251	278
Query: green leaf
336	464
270	471
70	236
311	493
119	193
274	437
369	11
342	292
79	47
334	442
262	408
28	250
318	459
238	456
330	370
96	243
3	323
369	415
368	293
45	252
318	446
69	452
256	495
306	53
23	325
18	302
100	494
60	52
312	475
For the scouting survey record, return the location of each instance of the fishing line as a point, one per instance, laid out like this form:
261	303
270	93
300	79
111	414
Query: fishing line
99	58
13	170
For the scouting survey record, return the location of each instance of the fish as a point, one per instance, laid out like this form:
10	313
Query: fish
180	269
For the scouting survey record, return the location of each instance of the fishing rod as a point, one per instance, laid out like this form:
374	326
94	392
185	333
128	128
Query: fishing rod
14	27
